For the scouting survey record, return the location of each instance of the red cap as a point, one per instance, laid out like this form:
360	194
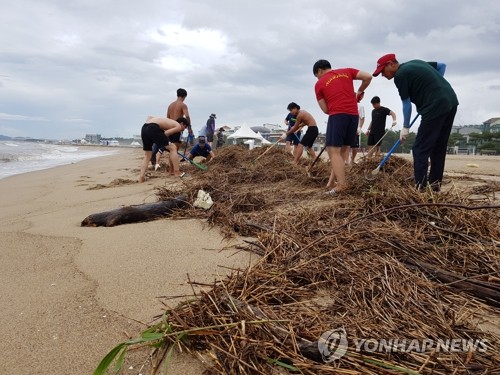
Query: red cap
382	62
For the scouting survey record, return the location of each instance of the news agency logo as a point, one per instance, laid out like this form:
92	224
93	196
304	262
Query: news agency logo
333	345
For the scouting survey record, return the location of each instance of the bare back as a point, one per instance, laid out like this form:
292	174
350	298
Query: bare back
305	118
164	123
177	109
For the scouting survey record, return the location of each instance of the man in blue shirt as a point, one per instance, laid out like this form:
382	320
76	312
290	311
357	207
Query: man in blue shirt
203	149
292	139
422	83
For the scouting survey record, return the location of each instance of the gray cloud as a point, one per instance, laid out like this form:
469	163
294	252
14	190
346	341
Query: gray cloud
103	66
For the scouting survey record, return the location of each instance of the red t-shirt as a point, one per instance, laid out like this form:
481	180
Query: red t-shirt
337	89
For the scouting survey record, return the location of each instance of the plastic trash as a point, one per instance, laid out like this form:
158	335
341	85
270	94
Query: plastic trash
203	200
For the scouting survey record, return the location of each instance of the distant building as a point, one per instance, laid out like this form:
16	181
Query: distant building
467	129
492	125
492	122
93	138
273	127
262	130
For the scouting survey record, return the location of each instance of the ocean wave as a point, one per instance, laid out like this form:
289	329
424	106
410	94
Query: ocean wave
34	156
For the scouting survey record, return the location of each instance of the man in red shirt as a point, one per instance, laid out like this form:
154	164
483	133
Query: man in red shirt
336	97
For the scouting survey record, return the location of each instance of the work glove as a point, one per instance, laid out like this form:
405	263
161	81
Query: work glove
404	134
359	96
282	137
394	123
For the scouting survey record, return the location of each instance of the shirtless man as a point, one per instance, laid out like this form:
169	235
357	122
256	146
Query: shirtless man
175	139
302	118
158	130
178	108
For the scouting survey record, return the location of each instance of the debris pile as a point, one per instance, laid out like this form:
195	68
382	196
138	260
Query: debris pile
379	263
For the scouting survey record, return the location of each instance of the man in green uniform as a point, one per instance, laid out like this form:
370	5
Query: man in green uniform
422	83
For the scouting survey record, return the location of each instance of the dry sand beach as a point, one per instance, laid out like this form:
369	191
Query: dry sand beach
71	293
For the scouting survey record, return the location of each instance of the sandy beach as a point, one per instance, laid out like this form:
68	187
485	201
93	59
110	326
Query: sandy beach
71	293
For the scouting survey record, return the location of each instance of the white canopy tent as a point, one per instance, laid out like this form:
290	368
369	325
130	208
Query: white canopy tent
244	132
250	143
263	140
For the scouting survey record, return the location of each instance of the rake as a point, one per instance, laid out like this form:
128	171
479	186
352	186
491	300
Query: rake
201	166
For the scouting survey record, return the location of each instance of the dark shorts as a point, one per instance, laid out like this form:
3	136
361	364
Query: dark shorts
373	139
310	136
355	144
175	138
341	130
155	150
210	137
152	133
294	139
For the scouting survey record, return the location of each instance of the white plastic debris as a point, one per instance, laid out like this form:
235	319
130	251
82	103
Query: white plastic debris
203	200
472	165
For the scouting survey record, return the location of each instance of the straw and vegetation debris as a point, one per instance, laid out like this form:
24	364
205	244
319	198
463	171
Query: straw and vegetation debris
380	261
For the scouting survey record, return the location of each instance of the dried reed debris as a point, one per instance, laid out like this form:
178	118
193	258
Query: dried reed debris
382	261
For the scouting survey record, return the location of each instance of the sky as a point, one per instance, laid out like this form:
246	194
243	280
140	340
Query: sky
75	67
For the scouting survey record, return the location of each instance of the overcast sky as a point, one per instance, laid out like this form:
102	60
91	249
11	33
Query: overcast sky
72	67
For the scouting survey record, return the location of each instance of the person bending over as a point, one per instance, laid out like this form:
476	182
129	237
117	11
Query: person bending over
423	84
203	149
157	130
175	139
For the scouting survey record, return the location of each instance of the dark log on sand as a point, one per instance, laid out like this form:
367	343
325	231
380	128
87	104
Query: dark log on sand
134	214
486	291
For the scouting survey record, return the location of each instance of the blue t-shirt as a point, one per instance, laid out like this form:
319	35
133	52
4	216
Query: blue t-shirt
290	120
198	151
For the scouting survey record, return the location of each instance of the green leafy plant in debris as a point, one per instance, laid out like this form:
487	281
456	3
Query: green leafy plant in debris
162	335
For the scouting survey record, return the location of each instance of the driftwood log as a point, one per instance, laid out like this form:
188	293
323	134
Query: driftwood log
484	290
134	214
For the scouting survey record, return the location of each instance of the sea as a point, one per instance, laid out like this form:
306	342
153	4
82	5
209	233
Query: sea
23	157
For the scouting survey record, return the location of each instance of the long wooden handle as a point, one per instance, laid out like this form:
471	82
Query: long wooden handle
376	144
274	144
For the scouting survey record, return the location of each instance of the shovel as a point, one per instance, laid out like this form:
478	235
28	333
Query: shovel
384	160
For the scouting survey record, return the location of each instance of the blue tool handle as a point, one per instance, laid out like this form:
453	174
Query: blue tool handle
398	142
